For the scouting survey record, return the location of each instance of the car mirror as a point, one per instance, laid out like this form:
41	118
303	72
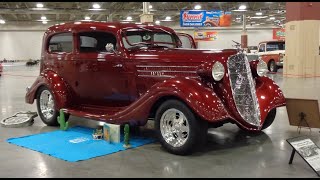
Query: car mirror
110	48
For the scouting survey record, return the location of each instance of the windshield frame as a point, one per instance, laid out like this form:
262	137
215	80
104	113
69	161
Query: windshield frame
176	41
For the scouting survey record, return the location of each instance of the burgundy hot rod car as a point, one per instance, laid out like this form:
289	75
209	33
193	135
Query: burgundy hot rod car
128	73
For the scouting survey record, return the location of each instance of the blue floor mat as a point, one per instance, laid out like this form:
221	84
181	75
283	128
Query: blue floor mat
75	144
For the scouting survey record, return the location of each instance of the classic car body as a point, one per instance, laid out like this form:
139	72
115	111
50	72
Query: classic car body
134	83
272	52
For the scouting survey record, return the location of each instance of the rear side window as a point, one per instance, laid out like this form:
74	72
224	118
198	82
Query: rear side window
61	43
186	43
96	41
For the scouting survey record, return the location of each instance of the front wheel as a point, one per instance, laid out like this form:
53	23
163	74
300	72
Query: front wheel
178	129
269	119
46	107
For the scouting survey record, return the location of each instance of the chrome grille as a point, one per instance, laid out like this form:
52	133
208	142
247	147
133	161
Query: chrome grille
243	88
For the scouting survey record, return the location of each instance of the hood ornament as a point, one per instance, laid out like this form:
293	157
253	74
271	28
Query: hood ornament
238	46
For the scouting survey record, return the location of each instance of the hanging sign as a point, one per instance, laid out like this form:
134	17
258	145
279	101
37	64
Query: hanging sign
206	36
199	18
279	33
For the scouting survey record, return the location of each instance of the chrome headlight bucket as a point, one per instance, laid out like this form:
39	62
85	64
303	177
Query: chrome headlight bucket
217	71
262	68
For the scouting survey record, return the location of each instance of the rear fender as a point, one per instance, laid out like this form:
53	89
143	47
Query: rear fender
55	84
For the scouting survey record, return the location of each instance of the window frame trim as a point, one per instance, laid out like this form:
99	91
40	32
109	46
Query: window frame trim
63	32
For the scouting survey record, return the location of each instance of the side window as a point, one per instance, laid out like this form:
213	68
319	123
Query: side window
186	43
162	37
96	41
60	43
262	47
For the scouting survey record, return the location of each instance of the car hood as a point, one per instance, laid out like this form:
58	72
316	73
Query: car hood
182	55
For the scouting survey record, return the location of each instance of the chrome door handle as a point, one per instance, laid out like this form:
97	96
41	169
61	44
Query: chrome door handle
118	65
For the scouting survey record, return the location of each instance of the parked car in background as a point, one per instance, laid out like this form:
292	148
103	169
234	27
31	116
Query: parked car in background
32	62
128	74
252	49
272	52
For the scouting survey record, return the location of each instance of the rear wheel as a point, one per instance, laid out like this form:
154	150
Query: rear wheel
46	107
272	66
178	129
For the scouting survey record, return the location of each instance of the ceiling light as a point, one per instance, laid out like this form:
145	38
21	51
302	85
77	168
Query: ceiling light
43	17
87	18
96	6
168	18
259	17
44	22
39	5
272	18
259	13
150	6
242	7
2	21
197	6
157	22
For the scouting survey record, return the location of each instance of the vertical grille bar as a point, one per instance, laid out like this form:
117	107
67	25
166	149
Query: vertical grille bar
243	89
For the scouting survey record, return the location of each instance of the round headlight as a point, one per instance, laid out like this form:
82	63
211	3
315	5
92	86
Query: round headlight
262	68
217	71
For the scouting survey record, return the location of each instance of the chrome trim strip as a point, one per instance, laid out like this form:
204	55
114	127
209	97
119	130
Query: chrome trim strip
166	76
168	66
167	71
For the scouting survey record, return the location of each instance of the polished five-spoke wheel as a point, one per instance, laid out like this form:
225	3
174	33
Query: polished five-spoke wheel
174	127
46	107
46	104
178	129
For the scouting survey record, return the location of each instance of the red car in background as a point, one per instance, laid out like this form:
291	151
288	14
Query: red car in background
128	73
272	53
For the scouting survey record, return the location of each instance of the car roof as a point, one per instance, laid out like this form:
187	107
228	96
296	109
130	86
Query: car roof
101	26
272	41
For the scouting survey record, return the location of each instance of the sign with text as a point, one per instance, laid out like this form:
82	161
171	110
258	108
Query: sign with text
200	18
308	150
279	33
206	36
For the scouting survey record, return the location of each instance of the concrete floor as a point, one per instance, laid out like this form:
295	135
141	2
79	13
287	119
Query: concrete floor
229	151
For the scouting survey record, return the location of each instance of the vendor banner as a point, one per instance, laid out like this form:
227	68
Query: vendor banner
200	18
279	33
206	36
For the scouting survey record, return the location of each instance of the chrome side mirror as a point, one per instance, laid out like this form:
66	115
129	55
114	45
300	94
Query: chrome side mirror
110	48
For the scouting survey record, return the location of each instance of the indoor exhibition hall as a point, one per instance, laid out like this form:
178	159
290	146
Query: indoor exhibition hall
159	89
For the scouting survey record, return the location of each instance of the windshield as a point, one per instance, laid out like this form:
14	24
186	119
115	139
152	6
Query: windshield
275	46
148	38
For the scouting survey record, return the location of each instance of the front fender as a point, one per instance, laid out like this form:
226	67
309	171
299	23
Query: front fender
269	96
198	96
55	84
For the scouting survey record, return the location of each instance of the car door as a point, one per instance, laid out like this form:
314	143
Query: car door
60	56
102	79
187	41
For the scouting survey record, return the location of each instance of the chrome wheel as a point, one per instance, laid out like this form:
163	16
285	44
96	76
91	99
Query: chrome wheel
174	127
46	104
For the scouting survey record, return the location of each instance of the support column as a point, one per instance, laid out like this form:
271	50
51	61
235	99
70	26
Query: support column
302	38
244	36
146	16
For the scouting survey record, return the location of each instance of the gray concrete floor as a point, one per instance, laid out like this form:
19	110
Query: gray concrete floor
229	151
